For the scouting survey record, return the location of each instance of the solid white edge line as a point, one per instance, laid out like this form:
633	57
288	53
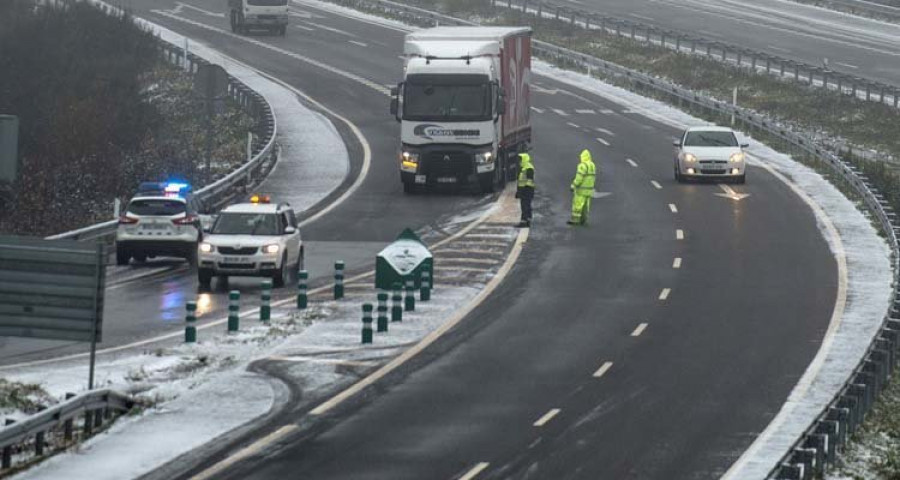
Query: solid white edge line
837	316
639	330
547	417
603	369
245	452
475	471
664	294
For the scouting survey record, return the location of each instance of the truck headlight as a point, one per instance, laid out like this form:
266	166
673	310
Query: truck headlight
270	249
484	158
688	157
409	161
737	157
207	247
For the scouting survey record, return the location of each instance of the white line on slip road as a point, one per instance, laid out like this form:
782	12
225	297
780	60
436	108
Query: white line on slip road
664	294
547	417
673	208
631	162
573	125
361	44
679	234
560	112
607	111
676	263
603	369
639	330
778	49
656	184
308	29
642	17
847	65
585	111
474	471
246	452
205	12
537	110
603	141
603	130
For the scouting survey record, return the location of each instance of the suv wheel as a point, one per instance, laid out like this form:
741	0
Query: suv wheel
191	256
279	275
204	276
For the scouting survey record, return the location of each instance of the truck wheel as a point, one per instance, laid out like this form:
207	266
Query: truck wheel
140	257
204	277
409	188
122	256
488	184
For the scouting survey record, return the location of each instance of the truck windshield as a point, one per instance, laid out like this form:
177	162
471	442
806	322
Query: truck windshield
267	3
246	224
710	139
447	102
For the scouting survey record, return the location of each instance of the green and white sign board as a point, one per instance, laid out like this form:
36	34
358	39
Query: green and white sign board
405	258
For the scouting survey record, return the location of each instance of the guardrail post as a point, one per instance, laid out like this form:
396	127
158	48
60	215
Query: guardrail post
338	280
410	299
39	444
425	286
68	424
234	306
367	323
557	12
7	450
88	422
540	10
265	305
190	331
396	304
98	418
302	299
896	97
382	312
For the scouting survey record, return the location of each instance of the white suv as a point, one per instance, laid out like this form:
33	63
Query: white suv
252	239
711	152
161	220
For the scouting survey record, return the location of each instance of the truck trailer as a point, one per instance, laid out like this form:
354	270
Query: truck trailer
464	105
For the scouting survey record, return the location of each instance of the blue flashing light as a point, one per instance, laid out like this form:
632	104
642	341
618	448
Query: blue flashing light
174	187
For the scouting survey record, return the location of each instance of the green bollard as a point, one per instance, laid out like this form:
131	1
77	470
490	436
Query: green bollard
190	331
396	304
302	298
425	286
338	280
234	305
367	323
265	305
382	312
410	300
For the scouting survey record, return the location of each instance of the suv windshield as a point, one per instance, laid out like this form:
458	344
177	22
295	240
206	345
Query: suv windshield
246	224
447	102
161	207
710	139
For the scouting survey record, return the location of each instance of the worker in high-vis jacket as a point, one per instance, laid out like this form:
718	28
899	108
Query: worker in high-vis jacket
525	188
583	189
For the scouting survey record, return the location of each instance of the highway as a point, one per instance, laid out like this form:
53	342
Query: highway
652	344
853	45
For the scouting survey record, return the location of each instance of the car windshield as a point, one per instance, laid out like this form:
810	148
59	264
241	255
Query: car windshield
246	224
447	102
710	139
267	3
160	207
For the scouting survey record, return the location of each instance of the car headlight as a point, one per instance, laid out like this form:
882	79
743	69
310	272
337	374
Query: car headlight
274	248
409	161
737	157
484	158
207	247
689	157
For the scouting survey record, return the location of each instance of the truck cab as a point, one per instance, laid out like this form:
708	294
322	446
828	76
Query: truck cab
271	15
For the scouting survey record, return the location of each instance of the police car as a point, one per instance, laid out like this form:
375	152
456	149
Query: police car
161	220
258	238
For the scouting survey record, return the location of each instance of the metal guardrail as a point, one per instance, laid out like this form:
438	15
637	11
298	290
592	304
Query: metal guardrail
819	76
37	430
264	153
819	444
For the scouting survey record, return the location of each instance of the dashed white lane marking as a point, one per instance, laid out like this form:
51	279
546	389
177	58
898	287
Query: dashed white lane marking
673	208
547	417
537	110
639	330
585	111
308	29
603	369
573	125
205	12
679	234
656	184
330	29
631	162
474	471
603	141
560	112
361	44
607	111
676	263
607	132
664	294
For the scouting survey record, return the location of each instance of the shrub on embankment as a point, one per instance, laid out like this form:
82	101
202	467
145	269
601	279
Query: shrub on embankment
99	111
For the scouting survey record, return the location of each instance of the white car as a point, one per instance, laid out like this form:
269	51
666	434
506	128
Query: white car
710	152
252	239
161	220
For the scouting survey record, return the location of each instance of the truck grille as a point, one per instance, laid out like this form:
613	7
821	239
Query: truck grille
448	164
238	251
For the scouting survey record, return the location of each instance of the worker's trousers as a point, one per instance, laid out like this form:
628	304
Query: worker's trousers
581	208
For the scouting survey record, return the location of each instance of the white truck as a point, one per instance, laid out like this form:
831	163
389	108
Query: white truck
464	106
271	15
